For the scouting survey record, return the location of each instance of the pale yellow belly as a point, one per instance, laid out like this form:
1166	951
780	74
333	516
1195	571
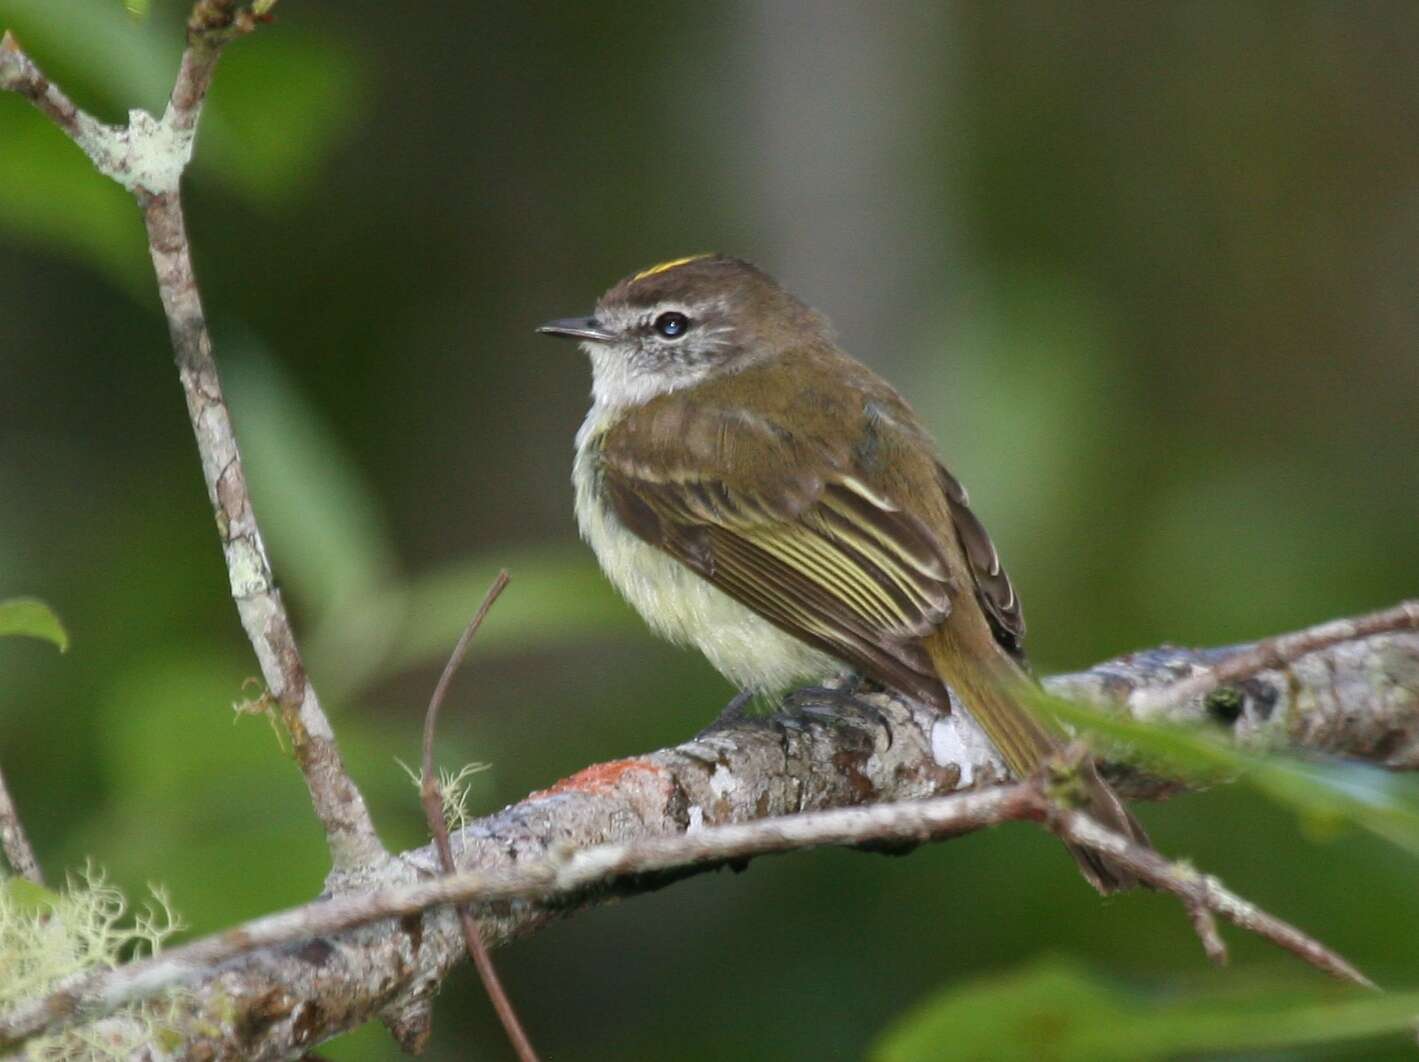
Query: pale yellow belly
745	648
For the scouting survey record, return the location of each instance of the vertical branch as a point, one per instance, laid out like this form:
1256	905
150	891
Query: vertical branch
337	801
148	158
15	841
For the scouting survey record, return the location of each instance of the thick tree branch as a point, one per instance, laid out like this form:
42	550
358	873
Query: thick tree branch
1358	698
1273	653
148	157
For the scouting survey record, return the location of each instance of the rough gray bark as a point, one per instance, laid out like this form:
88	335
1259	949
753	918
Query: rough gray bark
1358	699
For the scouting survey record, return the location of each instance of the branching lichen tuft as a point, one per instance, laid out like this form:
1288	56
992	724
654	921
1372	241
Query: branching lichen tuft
47	936
453	791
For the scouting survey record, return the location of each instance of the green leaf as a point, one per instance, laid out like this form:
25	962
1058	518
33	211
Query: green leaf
32	618
1327	794
25	896
331	547
1056	1010
557	596
107	61
55	199
323	524
280	103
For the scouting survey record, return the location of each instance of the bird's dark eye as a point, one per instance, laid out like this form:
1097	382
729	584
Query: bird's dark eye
672	325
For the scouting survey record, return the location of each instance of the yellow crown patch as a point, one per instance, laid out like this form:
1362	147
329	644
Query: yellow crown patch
663	266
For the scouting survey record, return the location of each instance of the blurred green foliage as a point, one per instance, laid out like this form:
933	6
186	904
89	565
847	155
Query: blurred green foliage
1055	1009
1147	269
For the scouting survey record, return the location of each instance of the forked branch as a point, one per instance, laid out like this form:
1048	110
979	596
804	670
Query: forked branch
148	157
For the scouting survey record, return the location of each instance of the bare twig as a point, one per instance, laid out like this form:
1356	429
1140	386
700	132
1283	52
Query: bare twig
432	799
1200	891
15	841
1275	653
1205	926
18	73
148	157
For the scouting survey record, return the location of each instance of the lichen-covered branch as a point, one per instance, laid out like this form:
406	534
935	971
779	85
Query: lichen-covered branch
1357	698
14	842
1273	653
148	157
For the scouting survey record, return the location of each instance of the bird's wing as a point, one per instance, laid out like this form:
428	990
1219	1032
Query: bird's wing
805	541
994	590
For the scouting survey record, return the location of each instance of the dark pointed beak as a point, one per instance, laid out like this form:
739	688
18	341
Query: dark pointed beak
577	328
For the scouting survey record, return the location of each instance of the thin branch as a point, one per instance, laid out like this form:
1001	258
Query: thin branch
148	157
18	73
1200	891
1274	654
15	841
432	798
1205	926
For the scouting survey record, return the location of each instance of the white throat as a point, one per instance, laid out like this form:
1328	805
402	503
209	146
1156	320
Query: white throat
617	382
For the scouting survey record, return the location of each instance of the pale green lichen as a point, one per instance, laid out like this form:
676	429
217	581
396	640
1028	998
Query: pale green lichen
453	791
264	703
48	936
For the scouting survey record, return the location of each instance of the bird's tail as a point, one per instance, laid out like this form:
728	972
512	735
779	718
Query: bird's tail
986	680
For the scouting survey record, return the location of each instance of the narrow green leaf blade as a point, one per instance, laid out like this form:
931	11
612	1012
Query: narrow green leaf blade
1326	794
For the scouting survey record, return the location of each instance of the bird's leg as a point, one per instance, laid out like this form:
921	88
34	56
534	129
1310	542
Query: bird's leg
733	712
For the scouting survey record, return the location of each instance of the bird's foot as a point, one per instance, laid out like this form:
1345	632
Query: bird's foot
840	703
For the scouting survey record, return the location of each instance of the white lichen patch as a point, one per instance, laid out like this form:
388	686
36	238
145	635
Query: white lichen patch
697	819
247	568
722	782
156	154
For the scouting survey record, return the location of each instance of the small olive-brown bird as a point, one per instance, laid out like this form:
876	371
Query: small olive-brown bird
757	493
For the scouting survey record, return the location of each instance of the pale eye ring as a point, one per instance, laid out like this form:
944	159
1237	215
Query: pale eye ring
672	324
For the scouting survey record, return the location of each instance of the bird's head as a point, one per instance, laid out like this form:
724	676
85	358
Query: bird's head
675	324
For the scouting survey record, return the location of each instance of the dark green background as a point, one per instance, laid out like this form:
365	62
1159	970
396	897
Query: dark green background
1148	270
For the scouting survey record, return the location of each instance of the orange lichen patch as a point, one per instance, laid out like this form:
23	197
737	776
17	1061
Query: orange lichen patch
601	777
